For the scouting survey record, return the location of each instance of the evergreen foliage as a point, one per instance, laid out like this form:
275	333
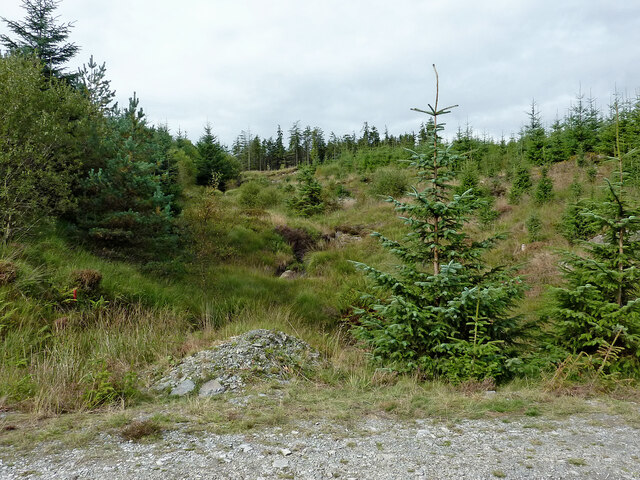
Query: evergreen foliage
93	82
544	188
213	160
534	226
123	207
308	199
40	34
535	138
521	183
599	308
445	312
575	225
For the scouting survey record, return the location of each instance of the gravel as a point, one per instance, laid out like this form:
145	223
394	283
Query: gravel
579	447
259	354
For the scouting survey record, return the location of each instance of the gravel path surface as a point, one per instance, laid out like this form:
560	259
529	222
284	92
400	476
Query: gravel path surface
579	447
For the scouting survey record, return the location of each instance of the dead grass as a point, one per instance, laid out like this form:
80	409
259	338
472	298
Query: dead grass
140	429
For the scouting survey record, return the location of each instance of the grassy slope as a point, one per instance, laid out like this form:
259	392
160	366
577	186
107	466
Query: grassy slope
58	356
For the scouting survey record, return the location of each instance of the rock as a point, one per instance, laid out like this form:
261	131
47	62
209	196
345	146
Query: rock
212	387
289	274
285	451
258	353
341	238
183	388
280	463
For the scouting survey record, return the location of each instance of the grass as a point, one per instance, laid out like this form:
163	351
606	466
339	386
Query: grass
302	402
59	356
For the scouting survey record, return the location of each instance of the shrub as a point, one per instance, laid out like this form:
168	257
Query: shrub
390	181
255	194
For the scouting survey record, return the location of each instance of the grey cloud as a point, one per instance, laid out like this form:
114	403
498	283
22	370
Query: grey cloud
254	64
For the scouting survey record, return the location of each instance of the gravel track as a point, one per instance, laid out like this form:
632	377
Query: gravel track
578	447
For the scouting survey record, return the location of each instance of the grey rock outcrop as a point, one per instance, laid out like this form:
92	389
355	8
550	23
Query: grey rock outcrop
226	367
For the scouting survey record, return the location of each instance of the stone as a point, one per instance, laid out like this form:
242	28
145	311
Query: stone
212	387
280	463
256	354
289	274
183	388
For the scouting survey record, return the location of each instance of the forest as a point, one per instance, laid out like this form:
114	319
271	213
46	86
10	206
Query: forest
431	259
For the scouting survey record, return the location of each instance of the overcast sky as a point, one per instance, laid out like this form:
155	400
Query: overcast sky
254	64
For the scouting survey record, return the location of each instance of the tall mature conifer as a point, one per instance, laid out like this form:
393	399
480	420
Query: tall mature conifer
42	35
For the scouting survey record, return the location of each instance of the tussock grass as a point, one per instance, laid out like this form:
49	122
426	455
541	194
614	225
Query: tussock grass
55	354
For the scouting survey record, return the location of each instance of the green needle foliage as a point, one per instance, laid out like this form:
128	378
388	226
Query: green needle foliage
544	189
445	311
126	203
42	35
599	309
308	199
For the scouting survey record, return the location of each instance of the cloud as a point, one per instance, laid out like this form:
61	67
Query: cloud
250	64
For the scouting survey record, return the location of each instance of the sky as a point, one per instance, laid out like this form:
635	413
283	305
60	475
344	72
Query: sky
251	65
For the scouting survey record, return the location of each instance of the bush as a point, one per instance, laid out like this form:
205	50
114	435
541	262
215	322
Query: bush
255	194
390	181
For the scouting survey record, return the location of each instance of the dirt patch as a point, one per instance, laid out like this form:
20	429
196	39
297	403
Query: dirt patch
300	240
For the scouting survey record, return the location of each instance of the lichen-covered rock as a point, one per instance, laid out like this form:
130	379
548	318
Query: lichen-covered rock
228	366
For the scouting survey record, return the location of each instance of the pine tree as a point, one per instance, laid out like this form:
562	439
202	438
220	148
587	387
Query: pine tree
555	147
93	82
279	150
123	207
40	34
599	308
521	183
444	312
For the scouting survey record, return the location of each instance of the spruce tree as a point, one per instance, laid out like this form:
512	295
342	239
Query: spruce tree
213	161
40	34
598	311
308	199
544	188
444	312
535	137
